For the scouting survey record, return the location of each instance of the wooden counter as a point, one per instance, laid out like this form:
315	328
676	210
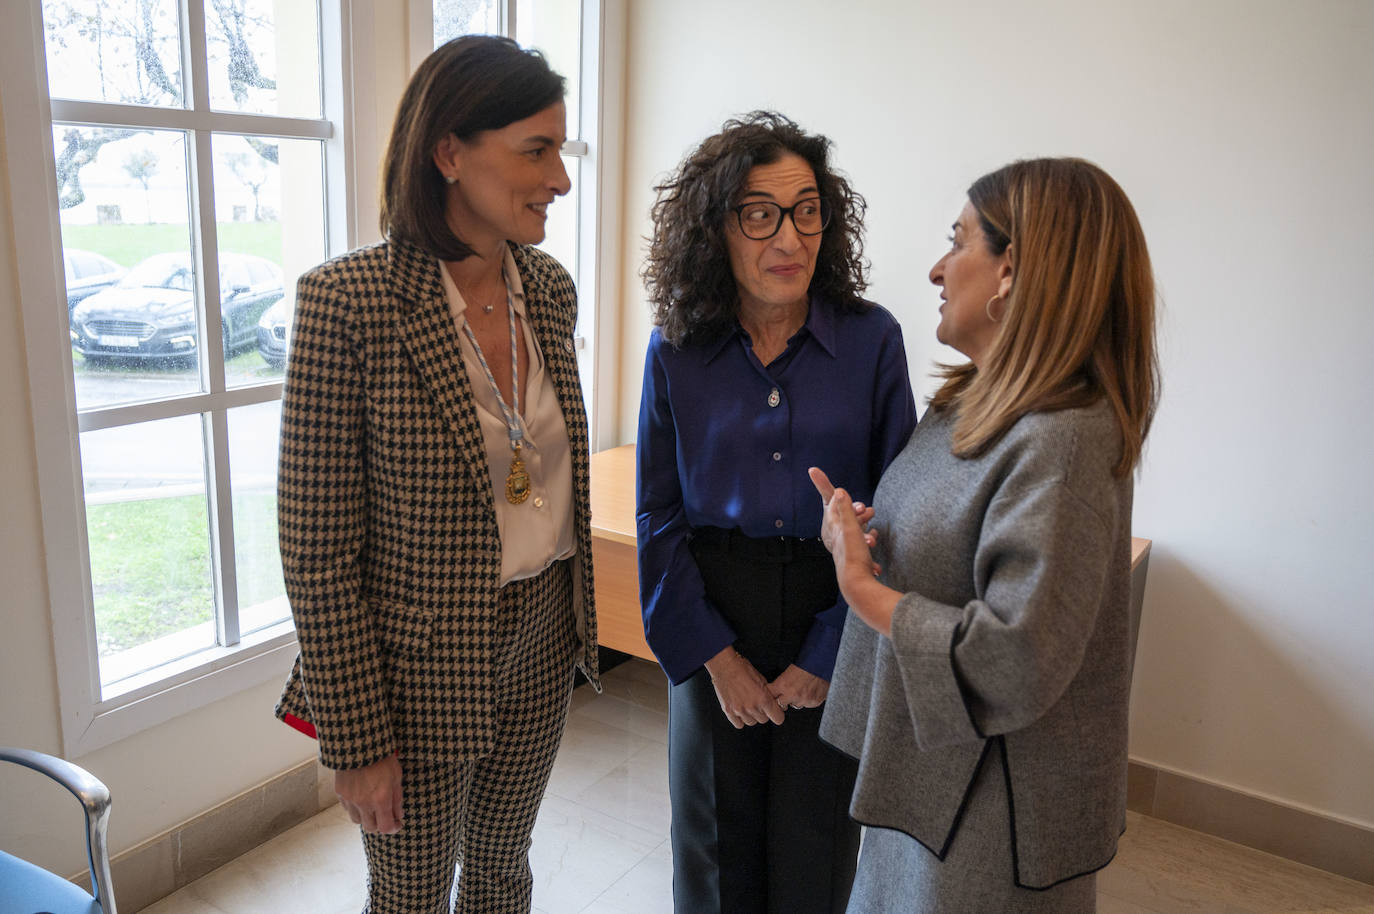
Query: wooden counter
619	624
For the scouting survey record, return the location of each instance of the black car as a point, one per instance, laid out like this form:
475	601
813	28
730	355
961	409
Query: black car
274	332
88	273
151	312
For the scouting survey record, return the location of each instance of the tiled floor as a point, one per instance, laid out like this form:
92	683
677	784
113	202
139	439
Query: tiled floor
601	844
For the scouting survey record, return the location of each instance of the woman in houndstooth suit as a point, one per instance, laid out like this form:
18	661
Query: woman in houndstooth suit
433	492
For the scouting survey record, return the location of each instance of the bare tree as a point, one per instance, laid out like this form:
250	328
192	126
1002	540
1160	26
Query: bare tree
252	173
136	46
234	24
141	165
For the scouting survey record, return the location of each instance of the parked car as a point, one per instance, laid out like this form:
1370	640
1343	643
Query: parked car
151	312
87	273
274	332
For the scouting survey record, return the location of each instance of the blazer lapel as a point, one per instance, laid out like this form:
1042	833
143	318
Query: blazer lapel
554	328
427	330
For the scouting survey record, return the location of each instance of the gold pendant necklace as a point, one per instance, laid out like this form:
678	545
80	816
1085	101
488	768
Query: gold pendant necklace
517	480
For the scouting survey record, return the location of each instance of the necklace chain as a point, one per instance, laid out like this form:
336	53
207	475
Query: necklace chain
518	479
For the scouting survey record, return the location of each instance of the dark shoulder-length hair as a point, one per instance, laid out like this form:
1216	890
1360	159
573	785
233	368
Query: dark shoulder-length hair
468	85
691	287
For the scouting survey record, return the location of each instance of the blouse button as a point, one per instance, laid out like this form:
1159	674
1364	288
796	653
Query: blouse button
778	523
538	502
777	455
774	398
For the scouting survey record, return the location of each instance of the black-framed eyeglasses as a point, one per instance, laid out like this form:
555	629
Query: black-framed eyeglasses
761	219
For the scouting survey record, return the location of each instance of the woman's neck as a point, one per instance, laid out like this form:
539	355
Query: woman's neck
771	326
478	270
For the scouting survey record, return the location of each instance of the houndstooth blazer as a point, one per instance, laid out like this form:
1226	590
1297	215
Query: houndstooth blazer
389	542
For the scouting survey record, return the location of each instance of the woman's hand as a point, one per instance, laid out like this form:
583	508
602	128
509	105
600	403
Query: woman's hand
742	691
842	532
371	795
796	688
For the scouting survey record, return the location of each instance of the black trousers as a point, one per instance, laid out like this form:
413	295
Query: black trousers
760	816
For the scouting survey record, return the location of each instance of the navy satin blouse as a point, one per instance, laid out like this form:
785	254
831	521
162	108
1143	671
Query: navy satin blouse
725	441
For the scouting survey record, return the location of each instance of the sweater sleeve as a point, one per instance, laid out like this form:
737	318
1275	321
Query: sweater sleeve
1000	661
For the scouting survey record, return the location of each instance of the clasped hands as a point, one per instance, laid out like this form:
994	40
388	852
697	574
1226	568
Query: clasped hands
746	698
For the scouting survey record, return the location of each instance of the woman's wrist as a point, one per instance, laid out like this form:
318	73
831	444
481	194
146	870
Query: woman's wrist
873	602
722	660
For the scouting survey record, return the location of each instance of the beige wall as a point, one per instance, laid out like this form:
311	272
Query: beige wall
1243	132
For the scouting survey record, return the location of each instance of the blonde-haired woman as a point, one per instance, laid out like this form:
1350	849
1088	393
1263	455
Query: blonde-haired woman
986	691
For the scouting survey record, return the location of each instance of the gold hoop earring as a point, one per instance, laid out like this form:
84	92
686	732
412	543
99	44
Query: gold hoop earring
988	309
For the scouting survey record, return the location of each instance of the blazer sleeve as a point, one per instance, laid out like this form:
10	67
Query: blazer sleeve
321	503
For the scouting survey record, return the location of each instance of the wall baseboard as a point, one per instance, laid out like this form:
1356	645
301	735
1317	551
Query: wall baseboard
164	863
1295	834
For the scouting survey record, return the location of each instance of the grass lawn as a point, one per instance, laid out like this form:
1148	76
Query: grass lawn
128	244
150	564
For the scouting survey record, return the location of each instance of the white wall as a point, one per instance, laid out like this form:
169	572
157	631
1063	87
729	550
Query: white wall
1243	132
176	771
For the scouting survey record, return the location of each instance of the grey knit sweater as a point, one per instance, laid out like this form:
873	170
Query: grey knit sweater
1014	625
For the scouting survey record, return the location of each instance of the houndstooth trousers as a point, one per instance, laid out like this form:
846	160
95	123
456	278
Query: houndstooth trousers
478	816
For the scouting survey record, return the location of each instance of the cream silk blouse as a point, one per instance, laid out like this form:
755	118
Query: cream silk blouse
539	531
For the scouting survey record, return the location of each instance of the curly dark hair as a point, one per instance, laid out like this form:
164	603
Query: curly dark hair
691	287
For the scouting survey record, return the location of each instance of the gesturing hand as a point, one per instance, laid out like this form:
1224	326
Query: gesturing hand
842	530
742	691
371	795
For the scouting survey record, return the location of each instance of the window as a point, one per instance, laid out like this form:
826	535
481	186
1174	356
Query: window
187	167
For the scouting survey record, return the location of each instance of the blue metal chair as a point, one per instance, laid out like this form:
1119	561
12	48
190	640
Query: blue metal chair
26	888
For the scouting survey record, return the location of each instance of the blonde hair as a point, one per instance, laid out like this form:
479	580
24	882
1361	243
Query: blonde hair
1080	317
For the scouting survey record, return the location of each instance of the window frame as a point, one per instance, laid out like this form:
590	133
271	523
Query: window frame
89	720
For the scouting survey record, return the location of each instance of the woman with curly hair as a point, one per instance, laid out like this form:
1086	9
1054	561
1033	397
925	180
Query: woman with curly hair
765	360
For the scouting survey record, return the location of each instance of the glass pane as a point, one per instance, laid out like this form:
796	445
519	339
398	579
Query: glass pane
554	27
148	527
125	51
264	56
465	17
253	459
270	197
560	237
123	197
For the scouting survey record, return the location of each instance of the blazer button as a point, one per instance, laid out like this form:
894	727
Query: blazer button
568	345
774	398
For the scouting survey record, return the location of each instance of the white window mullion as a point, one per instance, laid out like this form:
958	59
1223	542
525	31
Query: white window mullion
108	114
215	422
